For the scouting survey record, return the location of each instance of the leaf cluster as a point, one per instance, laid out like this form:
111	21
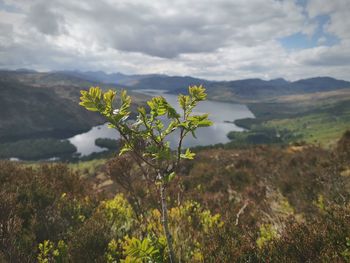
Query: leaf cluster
146	137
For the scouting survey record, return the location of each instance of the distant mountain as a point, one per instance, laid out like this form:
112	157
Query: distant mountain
171	83
251	88
237	90
113	78
42	78
319	84
25	70
257	89
245	89
148	81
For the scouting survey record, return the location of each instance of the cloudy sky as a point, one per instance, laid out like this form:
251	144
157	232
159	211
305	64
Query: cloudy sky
212	39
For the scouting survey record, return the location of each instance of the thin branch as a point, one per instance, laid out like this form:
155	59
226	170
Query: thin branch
241	212
134	149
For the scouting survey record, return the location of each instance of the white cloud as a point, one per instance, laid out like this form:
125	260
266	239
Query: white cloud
338	11
215	40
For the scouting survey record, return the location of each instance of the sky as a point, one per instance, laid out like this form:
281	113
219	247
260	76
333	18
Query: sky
211	39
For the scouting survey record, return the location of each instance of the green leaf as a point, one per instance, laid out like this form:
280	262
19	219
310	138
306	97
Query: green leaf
172	114
126	102
88	105
205	123
159	125
169	177
172	127
91	99
197	92
124	149
109	96
158	106
142	111
193	134
188	155
111	126
183	101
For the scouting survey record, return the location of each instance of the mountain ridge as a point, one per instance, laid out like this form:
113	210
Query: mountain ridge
244	88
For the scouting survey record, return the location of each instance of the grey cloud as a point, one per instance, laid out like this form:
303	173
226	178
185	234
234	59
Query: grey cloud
329	59
44	19
221	39
183	27
6	34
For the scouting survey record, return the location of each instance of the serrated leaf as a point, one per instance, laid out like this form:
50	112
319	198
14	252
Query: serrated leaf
197	92
183	101
188	155
88	105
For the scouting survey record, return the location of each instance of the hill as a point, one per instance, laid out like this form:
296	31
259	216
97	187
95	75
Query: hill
250	90
44	104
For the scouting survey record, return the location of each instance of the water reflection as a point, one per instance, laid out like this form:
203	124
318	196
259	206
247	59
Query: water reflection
85	142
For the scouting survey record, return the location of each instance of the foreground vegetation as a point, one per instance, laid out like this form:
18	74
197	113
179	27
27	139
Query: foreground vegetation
259	204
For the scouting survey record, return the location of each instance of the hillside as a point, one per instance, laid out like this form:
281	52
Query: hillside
253	90
258	204
44	104
319	117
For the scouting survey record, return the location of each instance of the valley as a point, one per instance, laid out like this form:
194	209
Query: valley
45	105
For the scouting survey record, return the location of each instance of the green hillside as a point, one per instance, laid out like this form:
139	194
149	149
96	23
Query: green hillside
319	117
36	105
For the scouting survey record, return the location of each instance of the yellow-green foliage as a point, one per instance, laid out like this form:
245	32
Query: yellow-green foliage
119	213
49	252
46	251
112	255
134	249
189	223
266	234
346	252
146	250
320	202
194	214
286	207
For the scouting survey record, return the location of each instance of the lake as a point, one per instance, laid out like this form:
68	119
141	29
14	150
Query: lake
219	113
